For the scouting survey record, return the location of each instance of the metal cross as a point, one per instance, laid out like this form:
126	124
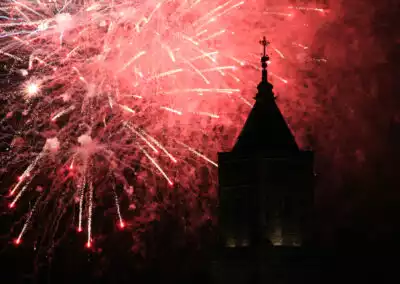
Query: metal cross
264	43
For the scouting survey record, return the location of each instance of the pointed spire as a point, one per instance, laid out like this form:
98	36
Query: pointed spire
265	130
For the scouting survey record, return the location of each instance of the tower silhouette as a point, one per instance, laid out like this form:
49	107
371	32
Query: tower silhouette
266	181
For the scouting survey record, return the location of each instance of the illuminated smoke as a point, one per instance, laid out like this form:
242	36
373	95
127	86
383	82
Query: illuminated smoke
139	92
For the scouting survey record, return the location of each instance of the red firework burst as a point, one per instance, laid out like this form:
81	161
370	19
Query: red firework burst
105	88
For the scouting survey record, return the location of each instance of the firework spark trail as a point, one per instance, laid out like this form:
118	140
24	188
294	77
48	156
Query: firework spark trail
27	221
161	147
62	112
198	154
143	138
121	221
172	110
81	197
89	217
18	196
156	165
102	83
26	173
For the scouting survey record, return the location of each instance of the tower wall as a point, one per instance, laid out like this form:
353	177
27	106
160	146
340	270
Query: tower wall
265	198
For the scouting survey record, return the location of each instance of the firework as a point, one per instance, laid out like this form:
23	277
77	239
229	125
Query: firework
100	89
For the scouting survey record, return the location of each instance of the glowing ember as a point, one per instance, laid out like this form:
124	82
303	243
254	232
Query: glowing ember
32	89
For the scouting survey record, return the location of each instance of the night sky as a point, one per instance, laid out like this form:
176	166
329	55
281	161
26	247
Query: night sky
355	133
358	139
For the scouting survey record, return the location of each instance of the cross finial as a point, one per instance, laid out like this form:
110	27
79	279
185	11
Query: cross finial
264	43
264	88
264	59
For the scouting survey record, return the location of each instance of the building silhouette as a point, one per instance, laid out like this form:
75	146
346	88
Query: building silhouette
265	194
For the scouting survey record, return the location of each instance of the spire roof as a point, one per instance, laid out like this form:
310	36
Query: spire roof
265	131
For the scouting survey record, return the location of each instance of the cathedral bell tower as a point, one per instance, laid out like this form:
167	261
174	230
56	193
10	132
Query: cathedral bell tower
266	181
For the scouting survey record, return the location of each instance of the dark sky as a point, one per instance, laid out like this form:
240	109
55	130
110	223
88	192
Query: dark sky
358	140
356	128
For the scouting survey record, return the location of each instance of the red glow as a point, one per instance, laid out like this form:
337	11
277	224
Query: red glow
17	241
177	65
32	89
